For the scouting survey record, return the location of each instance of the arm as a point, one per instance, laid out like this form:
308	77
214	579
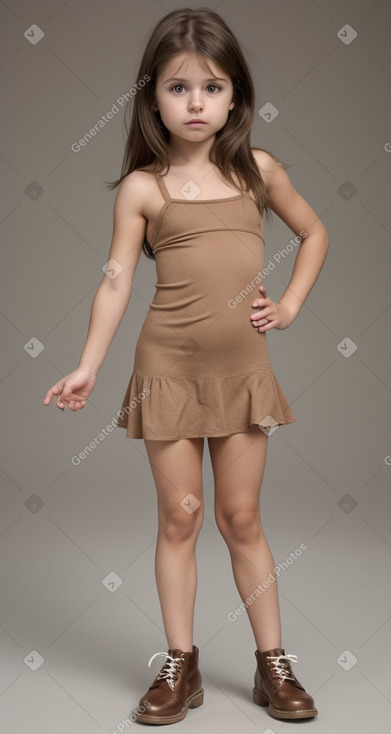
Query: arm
295	211
113	294
107	311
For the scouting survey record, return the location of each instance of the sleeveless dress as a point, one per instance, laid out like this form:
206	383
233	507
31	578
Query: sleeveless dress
200	368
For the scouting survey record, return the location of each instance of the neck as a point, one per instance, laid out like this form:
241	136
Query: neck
184	153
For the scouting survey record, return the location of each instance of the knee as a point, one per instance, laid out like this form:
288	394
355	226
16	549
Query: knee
240	526
182	526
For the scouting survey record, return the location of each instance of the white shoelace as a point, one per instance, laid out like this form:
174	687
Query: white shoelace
170	668
279	668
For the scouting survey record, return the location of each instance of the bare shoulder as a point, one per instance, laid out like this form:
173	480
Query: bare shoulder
136	187
268	165
283	199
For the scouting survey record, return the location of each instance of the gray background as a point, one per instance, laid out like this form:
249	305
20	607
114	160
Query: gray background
65	528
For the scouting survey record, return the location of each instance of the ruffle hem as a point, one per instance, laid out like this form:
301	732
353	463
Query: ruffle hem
168	408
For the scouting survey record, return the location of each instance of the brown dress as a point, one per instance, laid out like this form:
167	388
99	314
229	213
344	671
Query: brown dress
200	367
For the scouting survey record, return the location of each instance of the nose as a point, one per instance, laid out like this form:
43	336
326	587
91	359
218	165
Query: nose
195	101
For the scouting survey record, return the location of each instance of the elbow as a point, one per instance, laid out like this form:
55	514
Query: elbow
117	285
323	237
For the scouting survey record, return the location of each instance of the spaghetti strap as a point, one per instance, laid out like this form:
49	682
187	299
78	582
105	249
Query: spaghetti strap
163	188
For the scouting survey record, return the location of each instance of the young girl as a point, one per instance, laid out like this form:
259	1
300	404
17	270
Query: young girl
201	367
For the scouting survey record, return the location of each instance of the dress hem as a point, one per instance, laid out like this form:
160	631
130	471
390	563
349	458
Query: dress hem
208	435
162	407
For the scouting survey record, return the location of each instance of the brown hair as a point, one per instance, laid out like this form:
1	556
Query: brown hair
204	32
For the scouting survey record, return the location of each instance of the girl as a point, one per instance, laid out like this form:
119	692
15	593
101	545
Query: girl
201	367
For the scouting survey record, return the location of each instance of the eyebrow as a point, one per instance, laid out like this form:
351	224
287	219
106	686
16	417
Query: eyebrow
179	79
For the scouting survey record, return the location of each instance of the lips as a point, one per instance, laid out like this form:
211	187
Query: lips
201	122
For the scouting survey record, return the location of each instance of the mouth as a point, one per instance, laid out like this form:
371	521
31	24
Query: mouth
196	122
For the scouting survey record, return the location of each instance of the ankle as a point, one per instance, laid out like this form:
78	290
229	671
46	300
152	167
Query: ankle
183	648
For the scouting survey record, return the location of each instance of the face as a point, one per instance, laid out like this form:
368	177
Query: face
186	90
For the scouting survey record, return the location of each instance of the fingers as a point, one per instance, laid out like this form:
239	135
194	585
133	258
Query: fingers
261	302
269	315
54	390
266	327
65	397
265	319
71	404
257	317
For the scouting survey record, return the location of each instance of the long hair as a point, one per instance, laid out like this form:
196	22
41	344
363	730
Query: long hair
204	32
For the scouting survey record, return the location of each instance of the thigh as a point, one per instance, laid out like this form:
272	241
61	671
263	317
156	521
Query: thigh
177	471
238	463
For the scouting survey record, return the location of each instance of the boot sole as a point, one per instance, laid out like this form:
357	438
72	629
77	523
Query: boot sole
196	699
261	700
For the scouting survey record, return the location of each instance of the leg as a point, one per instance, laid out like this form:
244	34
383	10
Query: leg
177	470
238	466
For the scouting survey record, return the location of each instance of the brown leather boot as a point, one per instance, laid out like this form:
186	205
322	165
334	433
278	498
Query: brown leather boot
176	688
277	687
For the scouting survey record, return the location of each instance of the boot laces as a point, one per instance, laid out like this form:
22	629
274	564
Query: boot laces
281	663
170	670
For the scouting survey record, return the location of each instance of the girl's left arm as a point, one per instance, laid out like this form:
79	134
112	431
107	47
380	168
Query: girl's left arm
298	215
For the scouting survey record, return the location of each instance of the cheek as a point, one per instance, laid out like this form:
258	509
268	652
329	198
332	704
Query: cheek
168	107
224	112
169	115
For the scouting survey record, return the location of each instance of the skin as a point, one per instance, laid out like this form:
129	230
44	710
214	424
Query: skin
185	90
238	460
198	96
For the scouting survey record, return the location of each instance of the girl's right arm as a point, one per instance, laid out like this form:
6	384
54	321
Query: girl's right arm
112	296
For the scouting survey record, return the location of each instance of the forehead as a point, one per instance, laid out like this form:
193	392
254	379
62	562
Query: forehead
191	64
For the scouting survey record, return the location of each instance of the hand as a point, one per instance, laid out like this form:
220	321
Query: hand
272	316
72	390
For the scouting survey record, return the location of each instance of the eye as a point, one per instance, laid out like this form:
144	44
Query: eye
216	86
175	87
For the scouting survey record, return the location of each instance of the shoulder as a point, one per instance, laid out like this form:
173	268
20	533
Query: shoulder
279	187
140	179
137	187
282	197
268	164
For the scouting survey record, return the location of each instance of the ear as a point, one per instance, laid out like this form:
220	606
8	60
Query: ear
232	105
